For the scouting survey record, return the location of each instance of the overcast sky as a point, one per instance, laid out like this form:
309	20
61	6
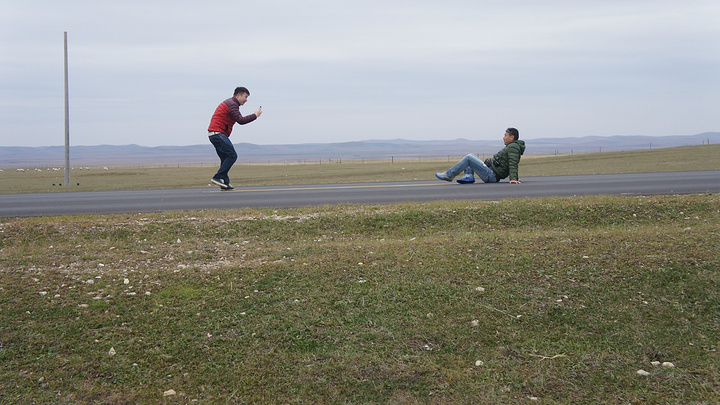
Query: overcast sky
151	72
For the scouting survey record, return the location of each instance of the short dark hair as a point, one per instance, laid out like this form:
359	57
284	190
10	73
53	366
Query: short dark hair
514	133
239	90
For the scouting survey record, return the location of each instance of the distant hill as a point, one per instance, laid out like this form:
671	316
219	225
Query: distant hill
110	155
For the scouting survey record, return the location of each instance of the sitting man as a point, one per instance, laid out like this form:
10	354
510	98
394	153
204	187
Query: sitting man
503	164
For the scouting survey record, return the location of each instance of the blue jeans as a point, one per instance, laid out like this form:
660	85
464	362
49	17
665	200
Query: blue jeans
470	164
226	152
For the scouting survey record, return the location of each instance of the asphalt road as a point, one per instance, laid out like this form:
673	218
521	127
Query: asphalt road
137	201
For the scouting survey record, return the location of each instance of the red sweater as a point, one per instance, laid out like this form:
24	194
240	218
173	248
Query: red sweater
226	115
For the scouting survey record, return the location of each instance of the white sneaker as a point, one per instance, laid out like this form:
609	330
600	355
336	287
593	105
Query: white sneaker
219	182
443	176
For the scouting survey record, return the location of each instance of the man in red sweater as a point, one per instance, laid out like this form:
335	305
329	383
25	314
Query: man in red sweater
221	125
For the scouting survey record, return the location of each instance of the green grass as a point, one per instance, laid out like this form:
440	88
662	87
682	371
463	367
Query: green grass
705	157
562	300
367	304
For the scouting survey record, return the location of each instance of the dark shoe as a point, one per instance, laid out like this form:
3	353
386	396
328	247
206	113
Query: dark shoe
228	188
466	180
219	182
443	176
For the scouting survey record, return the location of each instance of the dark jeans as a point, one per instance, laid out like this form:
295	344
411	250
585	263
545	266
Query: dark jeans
226	152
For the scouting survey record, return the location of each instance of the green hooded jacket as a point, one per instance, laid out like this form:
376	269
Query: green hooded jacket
505	163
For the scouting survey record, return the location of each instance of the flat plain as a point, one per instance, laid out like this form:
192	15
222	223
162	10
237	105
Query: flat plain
687	158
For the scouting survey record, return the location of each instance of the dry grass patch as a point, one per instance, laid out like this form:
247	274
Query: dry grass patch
685	158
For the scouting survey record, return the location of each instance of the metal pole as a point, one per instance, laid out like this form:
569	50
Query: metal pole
67	119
